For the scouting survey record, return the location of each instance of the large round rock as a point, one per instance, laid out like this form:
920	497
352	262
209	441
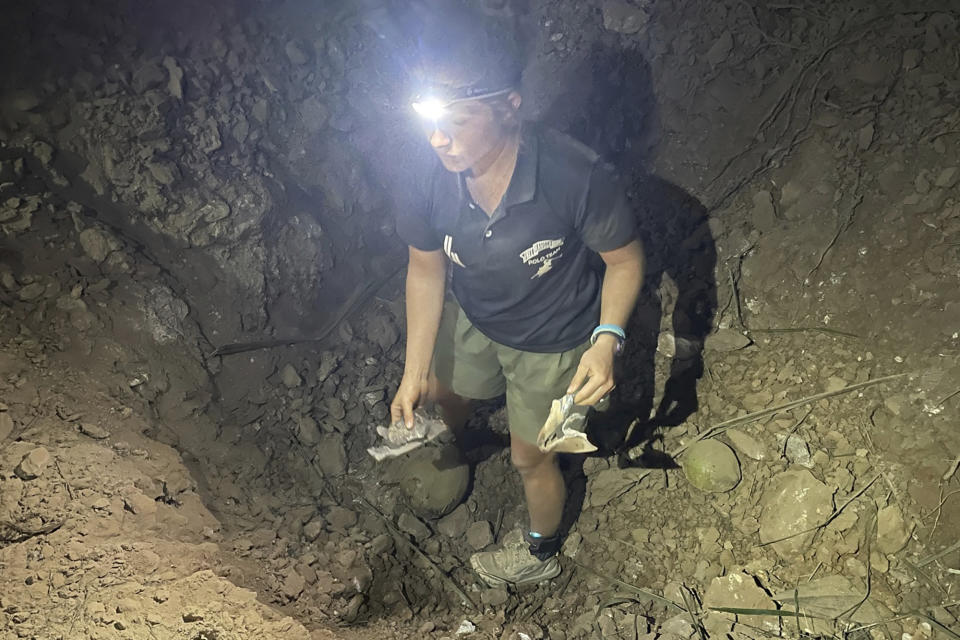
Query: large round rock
435	479
712	466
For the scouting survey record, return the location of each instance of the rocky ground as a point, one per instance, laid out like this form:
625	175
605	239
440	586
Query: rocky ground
172	181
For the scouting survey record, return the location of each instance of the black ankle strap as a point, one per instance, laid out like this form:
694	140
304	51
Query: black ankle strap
543	548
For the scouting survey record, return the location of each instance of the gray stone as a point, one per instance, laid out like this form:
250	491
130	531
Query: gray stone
452	525
307	431
893	533
711	466
435	479
214	211
175	77
331	455
148	76
96	244
758	400
835	383
293	584
623	17
33	464
746	444
296	54
313	529
139	504
340	519
43	151
494	597
720	50
678	626
796	449
335	407
163	171
32	291
741	591
667	344
6	425
726	340
479	535
314	114
793	502
94	431
412	525
290	378
947	178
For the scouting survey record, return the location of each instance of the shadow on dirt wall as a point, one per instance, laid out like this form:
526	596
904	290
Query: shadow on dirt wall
610	106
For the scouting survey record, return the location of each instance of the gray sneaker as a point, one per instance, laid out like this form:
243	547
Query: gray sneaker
513	564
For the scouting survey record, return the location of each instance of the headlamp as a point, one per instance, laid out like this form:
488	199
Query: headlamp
430	108
434	108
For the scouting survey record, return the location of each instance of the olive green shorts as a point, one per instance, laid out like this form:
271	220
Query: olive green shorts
474	366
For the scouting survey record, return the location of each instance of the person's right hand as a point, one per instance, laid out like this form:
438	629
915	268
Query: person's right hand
412	391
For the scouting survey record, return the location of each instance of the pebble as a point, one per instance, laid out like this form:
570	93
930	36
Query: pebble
454	524
410	524
31	292
796	449
757	401
623	17
33	464
746	444
466	627
140	504
726	340
479	535
893	533
494	597
6	425
341	519
290	378
293	584
948	178
94	431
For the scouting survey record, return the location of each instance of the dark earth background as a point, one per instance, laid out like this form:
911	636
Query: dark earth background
180	176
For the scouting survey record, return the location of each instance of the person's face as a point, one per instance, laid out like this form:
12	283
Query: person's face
467	132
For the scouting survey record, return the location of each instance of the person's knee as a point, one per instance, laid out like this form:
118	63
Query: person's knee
529	460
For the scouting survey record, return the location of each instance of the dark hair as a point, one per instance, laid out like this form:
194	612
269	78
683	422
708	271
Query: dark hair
460	49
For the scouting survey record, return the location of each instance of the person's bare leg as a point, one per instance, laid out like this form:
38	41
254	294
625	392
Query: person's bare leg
543	486
455	408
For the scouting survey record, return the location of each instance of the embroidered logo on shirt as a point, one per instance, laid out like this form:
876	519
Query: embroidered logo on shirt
542	253
448	249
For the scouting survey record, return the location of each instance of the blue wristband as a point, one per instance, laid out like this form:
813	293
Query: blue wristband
607	328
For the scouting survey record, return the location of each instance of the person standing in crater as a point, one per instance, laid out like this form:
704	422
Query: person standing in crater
519	214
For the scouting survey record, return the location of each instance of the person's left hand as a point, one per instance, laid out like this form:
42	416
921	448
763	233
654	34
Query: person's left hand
594	377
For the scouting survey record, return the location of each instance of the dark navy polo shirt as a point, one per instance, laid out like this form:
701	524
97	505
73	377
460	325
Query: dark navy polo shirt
527	276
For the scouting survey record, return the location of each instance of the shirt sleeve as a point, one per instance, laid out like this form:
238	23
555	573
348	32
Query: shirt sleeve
605	221
415	213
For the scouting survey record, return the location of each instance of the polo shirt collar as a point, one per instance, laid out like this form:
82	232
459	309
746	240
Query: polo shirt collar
523	183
